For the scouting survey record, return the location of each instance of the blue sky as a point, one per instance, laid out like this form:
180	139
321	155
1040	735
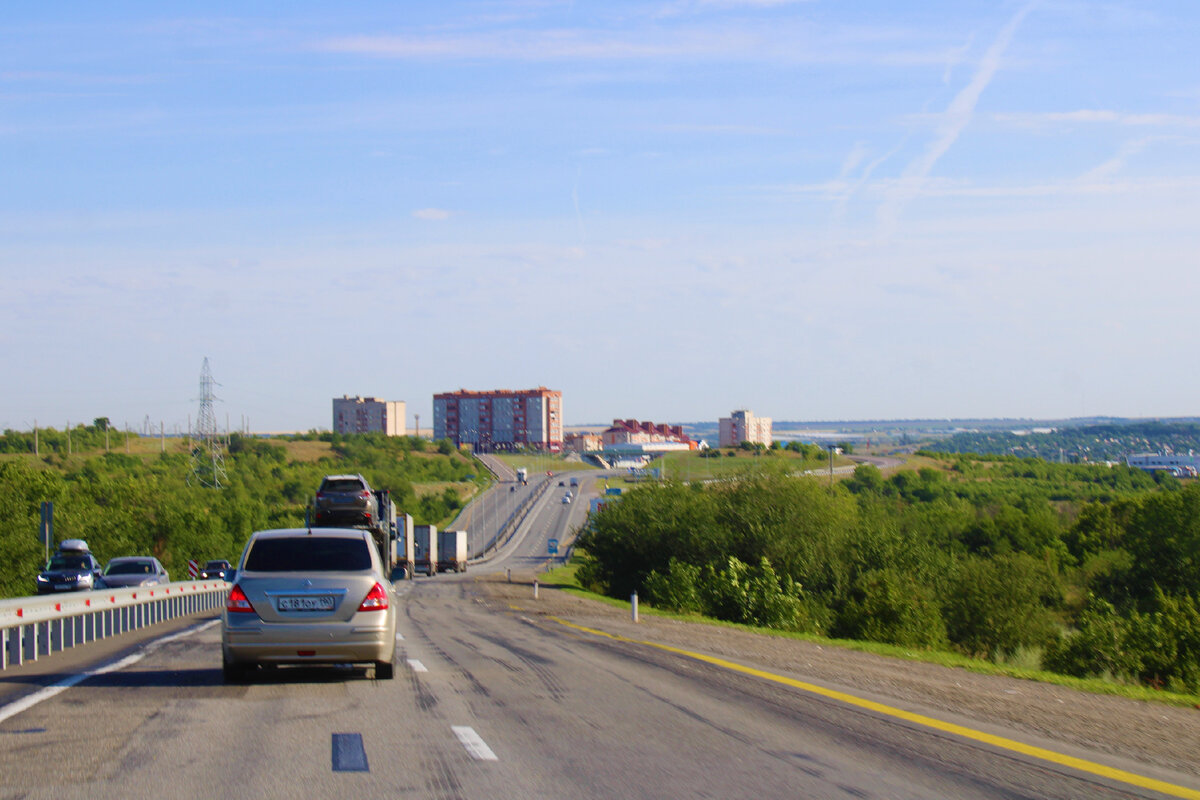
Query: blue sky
667	210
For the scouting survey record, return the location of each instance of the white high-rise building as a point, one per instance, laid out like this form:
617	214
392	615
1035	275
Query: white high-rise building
743	426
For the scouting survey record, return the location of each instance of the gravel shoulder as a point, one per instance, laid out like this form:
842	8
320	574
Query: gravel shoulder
1142	733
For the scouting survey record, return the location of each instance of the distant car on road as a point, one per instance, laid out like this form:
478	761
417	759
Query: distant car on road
72	568
309	596
346	499
134	571
566	498
216	569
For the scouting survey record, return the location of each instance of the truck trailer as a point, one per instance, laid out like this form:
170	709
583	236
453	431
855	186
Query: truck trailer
425	549
452	551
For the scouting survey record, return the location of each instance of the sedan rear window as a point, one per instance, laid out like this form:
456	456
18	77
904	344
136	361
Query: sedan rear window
309	554
342	486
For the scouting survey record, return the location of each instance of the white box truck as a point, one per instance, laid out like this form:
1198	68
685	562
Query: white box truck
452	551
425	549
405	553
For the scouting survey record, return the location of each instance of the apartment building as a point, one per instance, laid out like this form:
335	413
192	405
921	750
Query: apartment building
368	415
500	419
743	426
631	431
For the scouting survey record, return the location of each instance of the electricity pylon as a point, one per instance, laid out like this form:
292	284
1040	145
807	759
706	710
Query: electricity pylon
208	452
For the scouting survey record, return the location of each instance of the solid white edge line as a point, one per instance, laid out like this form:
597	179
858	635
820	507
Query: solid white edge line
474	743
45	693
417	666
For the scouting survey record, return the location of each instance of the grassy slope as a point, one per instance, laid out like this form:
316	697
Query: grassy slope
564	578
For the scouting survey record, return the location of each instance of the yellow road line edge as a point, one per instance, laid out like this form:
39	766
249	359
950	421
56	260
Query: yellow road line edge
1062	759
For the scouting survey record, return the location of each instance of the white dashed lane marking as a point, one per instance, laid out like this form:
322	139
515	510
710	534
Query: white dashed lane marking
476	746
416	666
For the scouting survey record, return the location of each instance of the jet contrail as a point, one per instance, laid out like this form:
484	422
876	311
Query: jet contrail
953	120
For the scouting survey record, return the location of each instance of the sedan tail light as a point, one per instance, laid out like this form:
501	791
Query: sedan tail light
238	603
376	599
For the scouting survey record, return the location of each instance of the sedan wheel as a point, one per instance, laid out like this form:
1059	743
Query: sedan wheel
384	670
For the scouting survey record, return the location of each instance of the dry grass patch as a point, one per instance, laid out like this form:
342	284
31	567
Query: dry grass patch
307	452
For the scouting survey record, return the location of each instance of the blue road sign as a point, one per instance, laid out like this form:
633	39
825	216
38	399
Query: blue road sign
552	546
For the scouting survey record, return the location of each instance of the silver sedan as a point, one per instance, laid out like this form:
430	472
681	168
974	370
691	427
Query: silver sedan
308	596
134	571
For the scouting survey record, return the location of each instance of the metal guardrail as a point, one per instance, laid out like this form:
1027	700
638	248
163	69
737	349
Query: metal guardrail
34	627
513	521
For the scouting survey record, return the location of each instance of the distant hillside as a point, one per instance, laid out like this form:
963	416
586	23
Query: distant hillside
1107	442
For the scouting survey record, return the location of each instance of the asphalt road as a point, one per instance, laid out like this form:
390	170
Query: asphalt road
491	700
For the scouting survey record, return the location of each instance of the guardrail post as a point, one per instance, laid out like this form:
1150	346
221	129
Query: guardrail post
54	636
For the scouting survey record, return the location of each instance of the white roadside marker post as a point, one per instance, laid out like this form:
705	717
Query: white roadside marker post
633	603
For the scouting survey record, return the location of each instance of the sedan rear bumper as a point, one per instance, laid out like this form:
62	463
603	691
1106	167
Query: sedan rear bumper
298	643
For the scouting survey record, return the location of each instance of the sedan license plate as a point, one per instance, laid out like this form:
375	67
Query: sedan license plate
322	602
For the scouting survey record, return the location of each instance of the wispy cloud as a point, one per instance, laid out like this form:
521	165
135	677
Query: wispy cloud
432	214
953	120
1095	116
1114	165
793	42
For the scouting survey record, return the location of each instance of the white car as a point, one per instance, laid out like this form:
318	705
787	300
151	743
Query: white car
567	499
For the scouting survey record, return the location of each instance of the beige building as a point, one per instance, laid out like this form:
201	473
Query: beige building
743	426
369	415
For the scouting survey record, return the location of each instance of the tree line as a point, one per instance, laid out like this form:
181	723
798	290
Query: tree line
143	504
1085	570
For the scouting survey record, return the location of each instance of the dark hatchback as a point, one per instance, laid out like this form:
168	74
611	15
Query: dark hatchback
346	500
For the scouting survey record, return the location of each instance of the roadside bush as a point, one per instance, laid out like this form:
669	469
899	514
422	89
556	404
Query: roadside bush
892	607
753	596
1001	604
677	589
1096	648
1167	642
